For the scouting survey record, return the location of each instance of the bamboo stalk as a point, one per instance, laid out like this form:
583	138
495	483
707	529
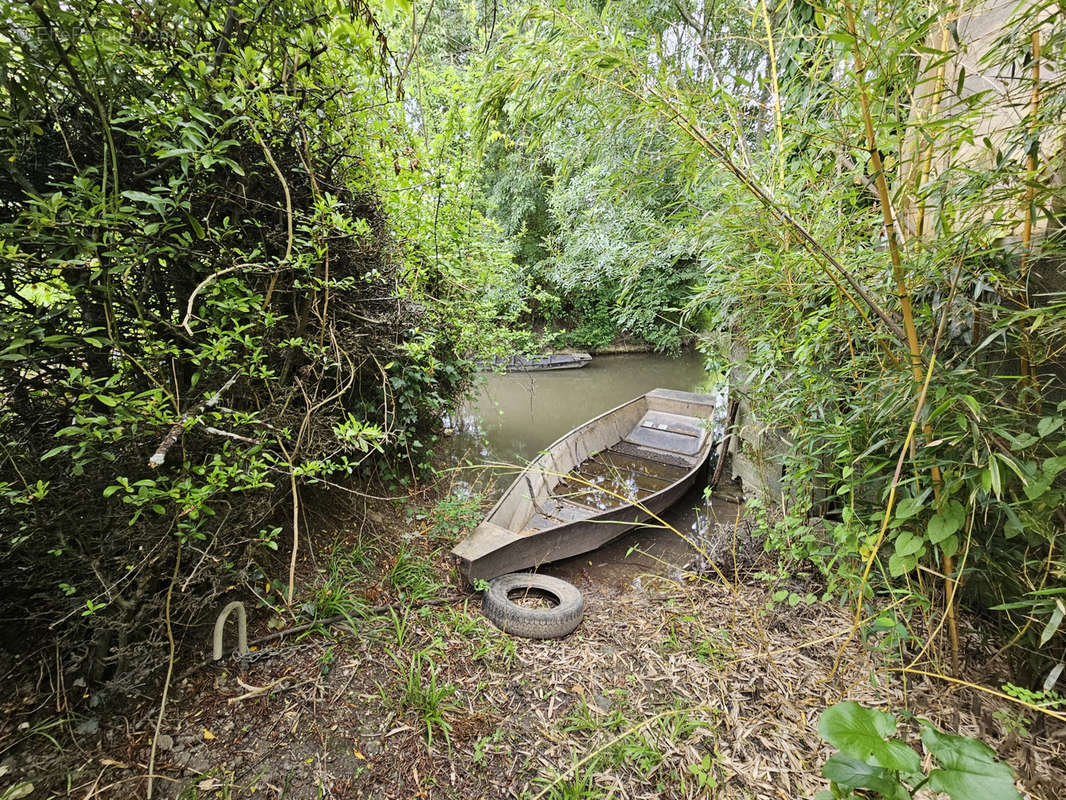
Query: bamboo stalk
927	154
1028	369
778	133
903	293
782	215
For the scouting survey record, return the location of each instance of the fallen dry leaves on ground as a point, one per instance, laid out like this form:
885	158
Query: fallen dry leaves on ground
681	691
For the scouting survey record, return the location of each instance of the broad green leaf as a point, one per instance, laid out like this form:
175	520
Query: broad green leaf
863	734
1013	526
993	472
1024	440
950	546
908	507
1053	466
1048	425
901	565
1036	489
946	521
155	201
854	774
907	544
969	770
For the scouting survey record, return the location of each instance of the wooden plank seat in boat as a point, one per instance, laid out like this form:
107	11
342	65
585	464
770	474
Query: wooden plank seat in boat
683	444
626	448
673	423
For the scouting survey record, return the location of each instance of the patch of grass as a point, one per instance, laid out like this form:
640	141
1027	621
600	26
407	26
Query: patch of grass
325	661
213	784
40	728
401	626
486	643
581	786
643	752
421	691
680	726
342	580
704	774
688	634
635	752
584	720
411	575
482	746
496	647
17	790
459	621
714	649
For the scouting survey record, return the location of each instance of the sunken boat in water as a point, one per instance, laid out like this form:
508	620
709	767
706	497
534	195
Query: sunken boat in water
541	363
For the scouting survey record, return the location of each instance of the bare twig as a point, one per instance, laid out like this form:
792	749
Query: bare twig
259	691
170	673
160	454
417	33
230	435
214	276
288	212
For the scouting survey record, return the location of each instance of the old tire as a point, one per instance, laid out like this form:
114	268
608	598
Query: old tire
533	623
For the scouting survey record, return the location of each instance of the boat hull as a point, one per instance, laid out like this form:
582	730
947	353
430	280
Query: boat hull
544	363
503	543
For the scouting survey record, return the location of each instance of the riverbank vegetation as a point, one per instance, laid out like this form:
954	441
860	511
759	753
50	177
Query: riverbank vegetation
878	239
252	253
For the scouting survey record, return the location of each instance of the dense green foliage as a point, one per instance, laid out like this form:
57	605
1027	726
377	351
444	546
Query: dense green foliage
874	763
585	197
250	251
762	146
240	262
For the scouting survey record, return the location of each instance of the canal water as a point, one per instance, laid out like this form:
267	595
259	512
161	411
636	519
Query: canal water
512	417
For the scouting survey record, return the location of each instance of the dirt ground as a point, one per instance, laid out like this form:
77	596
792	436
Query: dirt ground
668	689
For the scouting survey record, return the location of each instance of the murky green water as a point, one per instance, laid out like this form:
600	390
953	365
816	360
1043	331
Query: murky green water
512	417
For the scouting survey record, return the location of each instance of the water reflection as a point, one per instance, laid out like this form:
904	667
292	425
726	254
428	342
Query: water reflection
512	417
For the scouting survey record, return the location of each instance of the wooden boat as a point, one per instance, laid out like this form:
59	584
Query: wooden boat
594	484
539	363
